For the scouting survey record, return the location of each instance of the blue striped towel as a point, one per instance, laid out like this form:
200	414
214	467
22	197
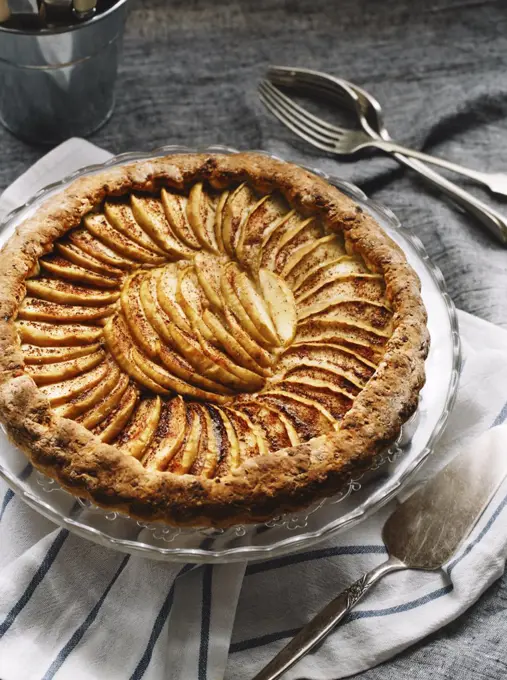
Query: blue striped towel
72	610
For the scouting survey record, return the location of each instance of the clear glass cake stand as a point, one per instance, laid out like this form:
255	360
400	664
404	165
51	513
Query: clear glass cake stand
286	533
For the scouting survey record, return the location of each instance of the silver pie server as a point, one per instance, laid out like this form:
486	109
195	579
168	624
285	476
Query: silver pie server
373	133
424	532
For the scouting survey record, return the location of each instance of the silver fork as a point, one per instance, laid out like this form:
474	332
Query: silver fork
496	182
346	141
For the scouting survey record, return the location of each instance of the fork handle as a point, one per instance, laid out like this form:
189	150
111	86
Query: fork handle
495	182
490	218
321	625
476	175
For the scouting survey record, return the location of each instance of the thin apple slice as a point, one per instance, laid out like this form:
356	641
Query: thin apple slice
85	401
274	231
122	348
311	255
354	367
121	217
323	245
210	446
250	436
117	241
189	449
133	310
42	310
88	243
52	335
150	215
231	301
268	210
59	393
244	378
250	439
167	288
278	234
307	231
354	331
173	361
281	305
219	214
168	436
258	353
205	445
106	405
110	427
339	345
74	254
136	437
69	271
344	269
373	318
254	306
201	217
238	203
345	369
54	290
206	359
48	355
169	382
340	289
231	346
336	401
209	270
63	370
376	314
179	367
343	336
230	457
277	431
192	301
176	212
309	418
314	373
154	312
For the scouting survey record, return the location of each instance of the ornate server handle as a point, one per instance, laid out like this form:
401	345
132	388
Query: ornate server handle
319	627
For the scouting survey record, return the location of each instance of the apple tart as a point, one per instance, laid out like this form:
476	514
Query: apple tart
206	339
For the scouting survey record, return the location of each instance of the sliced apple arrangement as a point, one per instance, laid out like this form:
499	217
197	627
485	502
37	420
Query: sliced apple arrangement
193	331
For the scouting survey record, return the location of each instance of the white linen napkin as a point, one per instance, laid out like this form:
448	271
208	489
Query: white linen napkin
72	610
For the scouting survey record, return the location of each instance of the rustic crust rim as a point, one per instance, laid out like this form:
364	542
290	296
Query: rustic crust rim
261	487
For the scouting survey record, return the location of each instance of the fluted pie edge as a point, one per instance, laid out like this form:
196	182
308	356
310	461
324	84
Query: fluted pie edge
259	487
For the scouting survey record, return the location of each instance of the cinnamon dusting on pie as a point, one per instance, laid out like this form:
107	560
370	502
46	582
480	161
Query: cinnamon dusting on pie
206	339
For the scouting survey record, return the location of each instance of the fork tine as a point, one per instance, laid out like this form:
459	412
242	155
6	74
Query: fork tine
290	77
274	108
320	126
288	116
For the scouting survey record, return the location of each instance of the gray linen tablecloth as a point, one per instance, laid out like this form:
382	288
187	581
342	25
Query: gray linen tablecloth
439	68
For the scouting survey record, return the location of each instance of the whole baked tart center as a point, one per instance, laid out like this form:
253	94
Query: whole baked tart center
196	329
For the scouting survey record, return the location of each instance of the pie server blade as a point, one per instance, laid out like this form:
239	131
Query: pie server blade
424	532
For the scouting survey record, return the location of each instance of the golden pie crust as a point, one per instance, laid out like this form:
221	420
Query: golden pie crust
270	398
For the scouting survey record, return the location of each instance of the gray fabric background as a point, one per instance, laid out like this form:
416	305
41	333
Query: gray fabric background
439	68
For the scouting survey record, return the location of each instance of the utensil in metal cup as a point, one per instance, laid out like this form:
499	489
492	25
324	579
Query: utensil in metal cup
59	82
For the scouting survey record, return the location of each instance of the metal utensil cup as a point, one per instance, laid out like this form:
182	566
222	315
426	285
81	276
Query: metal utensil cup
59	82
